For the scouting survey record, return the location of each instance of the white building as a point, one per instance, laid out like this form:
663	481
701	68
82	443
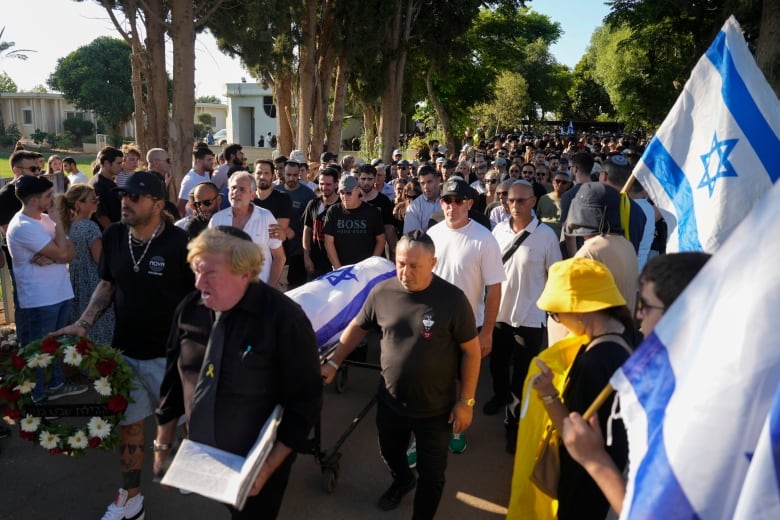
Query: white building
251	113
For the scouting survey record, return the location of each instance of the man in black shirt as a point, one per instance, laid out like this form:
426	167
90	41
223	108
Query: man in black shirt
314	255
366	178
262	351
144	274
424	322
108	209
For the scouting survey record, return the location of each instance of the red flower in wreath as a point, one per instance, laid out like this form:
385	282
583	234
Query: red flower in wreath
50	345
12	413
56	451
28	436
117	404
94	442
106	367
84	346
18	361
8	395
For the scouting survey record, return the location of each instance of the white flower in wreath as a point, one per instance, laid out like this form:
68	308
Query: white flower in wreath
72	356
25	387
78	441
102	386
40	360
98	428
30	424
49	440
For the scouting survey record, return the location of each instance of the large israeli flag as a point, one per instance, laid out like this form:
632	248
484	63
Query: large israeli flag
716	152
696	395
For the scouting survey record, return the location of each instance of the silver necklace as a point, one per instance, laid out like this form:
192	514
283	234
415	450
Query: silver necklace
136	263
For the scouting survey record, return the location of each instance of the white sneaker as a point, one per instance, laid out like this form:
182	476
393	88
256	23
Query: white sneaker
123	508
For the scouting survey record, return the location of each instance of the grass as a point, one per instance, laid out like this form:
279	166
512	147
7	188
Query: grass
84	161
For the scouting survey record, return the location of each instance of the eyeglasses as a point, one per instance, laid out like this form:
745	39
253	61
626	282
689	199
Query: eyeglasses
32	169
529	172
134	197
560	181
207	203
554	316
502	193
492	181
641	305
519	201
452	200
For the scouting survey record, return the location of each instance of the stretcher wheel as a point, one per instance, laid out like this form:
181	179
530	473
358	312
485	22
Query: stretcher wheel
330	477
342	377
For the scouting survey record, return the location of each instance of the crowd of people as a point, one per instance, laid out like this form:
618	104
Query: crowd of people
500	250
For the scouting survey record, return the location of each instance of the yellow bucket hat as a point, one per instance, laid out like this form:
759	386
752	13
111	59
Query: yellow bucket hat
579	285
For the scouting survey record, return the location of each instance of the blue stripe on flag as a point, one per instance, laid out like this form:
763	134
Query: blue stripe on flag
743	108
342	318
652	377
678	189
774	436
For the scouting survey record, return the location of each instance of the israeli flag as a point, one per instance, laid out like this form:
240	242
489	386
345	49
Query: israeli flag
715	154
571	127
332	300
699	397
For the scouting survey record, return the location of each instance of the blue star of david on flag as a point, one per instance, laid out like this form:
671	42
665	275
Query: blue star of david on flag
339	275
720	150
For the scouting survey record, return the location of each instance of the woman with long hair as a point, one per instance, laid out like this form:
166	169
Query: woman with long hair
76	207
411	191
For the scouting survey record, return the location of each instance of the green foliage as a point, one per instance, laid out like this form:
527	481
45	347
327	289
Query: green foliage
6	83
39	89
587	98
208	99
10	135
200	131
78	129
60	141
509	106
205	120
38	136
97	77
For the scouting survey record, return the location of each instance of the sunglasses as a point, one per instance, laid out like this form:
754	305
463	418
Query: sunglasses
33	169
492	181
135	197
560	181
529	172
519	201
452	200
641	305
206	203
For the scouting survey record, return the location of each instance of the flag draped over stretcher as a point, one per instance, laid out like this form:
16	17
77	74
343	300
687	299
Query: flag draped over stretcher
716	153
696	395
332	300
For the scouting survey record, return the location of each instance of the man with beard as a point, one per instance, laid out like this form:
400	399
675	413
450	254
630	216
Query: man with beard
315	256
202	167
234	157
278	203
366	178
108	210
293	239
205	200
145	274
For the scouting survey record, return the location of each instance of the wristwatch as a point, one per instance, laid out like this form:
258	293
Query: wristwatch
470	402
157	446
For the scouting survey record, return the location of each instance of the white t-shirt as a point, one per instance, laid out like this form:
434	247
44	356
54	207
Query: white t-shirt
468	257
498	215
78	178
220	177
257	228
479	186
37	286
526	272
189	181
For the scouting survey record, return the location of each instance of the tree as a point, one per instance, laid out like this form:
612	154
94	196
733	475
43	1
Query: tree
208	99
7	51
587	98
510	104
96	77
39	89
7	84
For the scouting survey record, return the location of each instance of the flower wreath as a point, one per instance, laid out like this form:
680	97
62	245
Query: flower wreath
112	381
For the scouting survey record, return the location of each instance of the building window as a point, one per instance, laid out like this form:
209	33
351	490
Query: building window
269	107
27	117
74	115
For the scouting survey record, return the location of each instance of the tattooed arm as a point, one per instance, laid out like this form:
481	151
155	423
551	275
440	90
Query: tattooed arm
101	299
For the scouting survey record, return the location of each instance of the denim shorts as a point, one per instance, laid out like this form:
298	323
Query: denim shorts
147	378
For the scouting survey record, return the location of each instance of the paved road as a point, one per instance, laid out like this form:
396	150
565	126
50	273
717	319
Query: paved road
35	485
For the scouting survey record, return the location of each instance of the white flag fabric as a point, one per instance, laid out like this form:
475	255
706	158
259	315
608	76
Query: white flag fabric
697	392
716	152
332	300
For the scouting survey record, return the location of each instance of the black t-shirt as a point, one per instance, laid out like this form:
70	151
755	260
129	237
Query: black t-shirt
385	207
421	333
299	197
354	231
109	204
9	204
144	301
278	203
314	217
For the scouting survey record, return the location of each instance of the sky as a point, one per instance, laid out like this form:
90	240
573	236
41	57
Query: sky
55	28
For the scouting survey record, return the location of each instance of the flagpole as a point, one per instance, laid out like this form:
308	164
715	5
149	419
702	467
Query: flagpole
598	401
629	183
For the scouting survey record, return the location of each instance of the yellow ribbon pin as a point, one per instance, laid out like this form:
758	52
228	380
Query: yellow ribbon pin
210	371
